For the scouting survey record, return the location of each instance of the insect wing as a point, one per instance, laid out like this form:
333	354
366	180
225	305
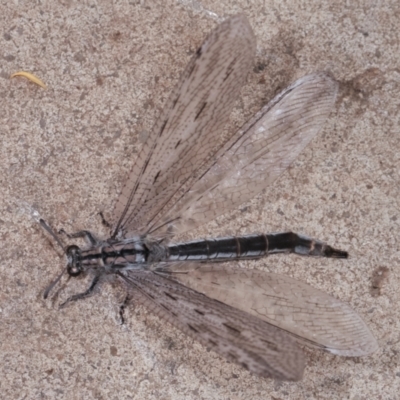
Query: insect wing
188	133
256	155
236	335
312	316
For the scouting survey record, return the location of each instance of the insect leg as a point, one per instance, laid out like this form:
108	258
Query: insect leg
104	221
88	292
122	308
81	234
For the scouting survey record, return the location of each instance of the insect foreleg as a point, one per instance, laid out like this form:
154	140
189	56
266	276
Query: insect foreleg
84	294
81	234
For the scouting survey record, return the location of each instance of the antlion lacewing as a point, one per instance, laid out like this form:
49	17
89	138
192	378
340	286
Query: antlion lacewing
186	174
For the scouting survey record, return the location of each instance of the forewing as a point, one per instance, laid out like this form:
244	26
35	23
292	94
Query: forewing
312	316
256	155
236	335
188	133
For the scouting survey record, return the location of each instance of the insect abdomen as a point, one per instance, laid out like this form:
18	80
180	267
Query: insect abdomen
250	246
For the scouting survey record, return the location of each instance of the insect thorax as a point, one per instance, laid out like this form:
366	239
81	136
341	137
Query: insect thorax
122	253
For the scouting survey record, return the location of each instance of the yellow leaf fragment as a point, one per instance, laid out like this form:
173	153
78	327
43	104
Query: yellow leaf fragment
31	77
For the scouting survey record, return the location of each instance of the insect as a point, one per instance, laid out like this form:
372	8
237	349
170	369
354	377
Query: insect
188	173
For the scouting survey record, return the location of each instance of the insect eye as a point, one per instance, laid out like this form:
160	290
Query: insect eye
74	270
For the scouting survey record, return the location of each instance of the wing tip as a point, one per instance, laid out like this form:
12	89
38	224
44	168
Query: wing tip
366	347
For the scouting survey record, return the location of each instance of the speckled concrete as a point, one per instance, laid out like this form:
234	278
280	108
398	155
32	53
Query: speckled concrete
65	151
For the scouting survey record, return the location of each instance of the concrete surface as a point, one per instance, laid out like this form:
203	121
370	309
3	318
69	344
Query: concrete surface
109	67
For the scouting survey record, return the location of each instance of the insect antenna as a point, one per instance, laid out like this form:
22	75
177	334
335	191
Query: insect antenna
59	242
53	235
52	284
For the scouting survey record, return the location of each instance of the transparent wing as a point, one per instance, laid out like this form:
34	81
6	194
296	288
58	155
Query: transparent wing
255	156
236	335
312	316
188	133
